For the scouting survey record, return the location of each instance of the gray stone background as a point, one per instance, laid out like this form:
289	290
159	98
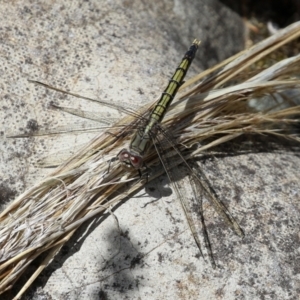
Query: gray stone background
125	51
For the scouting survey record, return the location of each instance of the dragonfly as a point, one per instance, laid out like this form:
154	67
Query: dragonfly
133	157
148	132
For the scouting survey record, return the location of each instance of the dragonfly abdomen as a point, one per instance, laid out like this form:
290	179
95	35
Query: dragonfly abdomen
175	82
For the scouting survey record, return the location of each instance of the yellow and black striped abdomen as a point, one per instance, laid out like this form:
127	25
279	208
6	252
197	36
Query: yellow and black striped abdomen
175	82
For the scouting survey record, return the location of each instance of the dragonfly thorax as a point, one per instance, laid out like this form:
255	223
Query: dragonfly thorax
130	158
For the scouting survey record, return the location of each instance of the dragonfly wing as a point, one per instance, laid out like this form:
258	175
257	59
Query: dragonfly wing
67	128
96	122
171	157
130	111
98	117
170	160
202	180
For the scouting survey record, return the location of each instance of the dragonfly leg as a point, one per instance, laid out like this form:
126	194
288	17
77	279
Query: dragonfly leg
144	174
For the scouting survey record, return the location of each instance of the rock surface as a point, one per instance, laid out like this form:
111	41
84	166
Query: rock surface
124	52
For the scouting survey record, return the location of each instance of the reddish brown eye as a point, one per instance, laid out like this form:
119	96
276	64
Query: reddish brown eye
123	156
136	161
133	159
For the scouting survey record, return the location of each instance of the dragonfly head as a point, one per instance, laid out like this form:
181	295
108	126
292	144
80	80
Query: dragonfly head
131	159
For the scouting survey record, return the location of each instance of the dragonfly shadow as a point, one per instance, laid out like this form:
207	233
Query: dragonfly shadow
158	188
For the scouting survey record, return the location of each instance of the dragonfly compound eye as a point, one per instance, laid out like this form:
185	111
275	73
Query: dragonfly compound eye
136	161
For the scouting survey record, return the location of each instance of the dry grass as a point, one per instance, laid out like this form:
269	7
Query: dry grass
210	113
